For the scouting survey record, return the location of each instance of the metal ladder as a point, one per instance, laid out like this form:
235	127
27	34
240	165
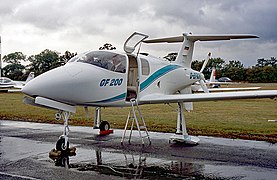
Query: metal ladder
140	123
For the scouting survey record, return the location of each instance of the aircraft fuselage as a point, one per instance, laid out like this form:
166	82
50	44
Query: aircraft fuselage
90	79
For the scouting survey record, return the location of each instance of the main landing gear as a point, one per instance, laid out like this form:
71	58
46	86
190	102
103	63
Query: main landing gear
181	133
104	126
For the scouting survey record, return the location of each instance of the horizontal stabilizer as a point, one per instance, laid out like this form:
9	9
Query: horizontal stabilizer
201	37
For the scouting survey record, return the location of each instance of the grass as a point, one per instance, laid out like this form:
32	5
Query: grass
245	119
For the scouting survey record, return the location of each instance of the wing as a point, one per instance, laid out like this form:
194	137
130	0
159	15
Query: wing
163	98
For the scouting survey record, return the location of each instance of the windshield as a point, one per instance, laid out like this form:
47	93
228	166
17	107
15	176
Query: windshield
107	60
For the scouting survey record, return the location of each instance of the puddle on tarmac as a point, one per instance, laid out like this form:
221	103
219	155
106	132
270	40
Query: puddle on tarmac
127	164
148	166
134	164
130	165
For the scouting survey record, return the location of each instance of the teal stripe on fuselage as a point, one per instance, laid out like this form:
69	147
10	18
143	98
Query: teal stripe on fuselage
157	75
116	98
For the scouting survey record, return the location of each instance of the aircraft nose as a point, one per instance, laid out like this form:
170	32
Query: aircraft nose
54	84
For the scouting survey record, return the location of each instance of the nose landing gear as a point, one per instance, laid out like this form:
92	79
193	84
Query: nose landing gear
63	142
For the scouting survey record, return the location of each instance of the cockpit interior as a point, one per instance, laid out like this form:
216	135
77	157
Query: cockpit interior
107	60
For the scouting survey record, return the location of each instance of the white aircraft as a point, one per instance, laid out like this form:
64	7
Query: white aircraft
114	79
6	84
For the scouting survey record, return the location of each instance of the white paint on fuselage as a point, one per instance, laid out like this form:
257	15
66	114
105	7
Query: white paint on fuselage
175	77
84	84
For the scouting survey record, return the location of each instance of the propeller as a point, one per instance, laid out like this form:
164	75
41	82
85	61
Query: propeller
202	77
206	62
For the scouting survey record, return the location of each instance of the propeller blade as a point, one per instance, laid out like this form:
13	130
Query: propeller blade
203	85
205	62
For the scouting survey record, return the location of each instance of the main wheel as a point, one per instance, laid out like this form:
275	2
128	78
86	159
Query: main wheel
60	145
104	126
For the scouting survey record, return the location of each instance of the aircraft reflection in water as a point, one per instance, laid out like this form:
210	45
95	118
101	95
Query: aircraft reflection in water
134	166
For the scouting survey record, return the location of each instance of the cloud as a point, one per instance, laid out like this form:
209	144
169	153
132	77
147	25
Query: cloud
32	26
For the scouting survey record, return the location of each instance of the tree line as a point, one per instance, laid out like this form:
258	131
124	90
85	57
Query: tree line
40	63
265	70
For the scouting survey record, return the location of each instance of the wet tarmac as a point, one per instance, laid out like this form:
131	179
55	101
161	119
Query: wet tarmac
25	147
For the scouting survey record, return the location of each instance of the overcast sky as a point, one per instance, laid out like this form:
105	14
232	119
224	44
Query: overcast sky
31	26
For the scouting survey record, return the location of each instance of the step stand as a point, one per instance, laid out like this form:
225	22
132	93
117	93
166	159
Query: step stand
140	123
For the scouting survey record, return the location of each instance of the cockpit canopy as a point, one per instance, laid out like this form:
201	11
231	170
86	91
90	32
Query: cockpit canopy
104	59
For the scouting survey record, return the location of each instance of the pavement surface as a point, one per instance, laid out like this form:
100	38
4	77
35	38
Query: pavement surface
25	147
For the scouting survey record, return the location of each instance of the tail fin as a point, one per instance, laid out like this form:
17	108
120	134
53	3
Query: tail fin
30	77
213	75
185	53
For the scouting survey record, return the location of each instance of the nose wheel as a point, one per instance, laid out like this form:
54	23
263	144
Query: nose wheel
62	144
